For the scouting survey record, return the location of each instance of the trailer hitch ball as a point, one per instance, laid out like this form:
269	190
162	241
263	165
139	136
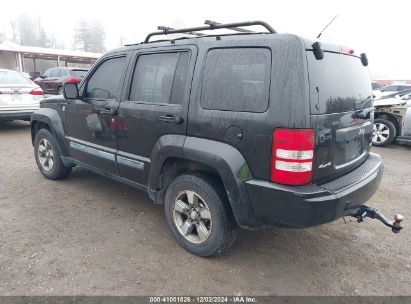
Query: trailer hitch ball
364	211
398	218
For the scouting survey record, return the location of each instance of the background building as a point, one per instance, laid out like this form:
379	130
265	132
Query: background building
35	60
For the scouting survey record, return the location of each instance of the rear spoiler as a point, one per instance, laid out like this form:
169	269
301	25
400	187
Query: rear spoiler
318	49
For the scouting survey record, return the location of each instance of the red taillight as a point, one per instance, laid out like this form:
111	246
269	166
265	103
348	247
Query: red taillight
74	79
292	156
37	91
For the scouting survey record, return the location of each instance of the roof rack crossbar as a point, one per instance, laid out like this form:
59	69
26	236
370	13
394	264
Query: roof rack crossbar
167	29
237	29
212	26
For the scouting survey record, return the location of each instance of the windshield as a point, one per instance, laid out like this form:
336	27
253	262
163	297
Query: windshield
376	86
12	77
338	83
79	73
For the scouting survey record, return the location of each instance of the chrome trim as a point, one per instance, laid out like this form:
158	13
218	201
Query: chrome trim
134	156
124	158
89	144
352	161
93	151
130	162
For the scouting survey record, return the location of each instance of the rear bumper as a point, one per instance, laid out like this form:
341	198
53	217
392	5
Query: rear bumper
15	115
311	205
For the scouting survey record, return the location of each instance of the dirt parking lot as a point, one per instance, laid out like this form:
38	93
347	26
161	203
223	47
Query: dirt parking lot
88	235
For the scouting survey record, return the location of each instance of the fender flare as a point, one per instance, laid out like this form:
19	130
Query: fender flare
225	159
51	118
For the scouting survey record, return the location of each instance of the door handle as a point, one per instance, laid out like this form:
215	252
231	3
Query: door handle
108	111
171	119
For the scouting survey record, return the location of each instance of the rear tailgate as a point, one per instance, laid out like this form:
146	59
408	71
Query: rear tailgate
341	113
18	99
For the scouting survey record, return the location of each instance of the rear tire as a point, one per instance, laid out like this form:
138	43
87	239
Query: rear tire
59	90
48	157
384	132
199	216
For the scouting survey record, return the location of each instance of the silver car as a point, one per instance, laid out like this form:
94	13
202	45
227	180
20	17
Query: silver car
392	121
19	96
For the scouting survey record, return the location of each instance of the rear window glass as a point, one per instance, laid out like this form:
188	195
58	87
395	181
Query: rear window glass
160	78
237	79
11	77
79	73
338	83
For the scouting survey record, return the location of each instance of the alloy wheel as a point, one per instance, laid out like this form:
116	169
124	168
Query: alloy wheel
45	154
192	217
381	133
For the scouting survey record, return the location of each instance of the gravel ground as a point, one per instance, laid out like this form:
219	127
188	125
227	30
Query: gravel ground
88	235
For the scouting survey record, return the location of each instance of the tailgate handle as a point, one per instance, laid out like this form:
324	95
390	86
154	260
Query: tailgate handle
171	119
108	111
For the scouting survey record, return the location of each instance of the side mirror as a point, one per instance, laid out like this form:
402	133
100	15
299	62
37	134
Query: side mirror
43	76
70	91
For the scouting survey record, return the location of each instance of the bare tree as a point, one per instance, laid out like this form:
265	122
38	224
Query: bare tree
31	31
14	30
89	37
121	40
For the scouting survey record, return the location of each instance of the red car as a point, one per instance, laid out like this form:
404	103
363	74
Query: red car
52	80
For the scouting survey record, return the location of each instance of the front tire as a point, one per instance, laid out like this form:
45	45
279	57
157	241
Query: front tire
384	132
47	156
198	216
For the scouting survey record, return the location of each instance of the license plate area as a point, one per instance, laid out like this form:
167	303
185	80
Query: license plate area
351	144
16	97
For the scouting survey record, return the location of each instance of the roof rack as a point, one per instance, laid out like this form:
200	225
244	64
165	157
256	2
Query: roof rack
166	28
211	25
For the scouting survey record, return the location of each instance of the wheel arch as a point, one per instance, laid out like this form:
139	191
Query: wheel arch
173	156
390	117
49	119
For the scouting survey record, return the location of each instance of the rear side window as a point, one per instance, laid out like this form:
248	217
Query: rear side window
79	73
62	73
237	79
105	81
54	73
160	78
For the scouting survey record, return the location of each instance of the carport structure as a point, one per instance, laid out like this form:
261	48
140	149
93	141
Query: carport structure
35	60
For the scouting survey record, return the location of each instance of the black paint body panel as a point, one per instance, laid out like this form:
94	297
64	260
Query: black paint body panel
135	145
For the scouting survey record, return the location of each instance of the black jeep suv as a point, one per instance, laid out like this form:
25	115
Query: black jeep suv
246	129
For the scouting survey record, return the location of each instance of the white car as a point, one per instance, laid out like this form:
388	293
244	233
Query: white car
19	96
392	120
391	89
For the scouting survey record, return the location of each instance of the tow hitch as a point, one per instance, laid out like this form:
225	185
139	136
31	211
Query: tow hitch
364	211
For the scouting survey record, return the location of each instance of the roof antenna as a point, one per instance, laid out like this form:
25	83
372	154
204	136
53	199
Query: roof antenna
319	35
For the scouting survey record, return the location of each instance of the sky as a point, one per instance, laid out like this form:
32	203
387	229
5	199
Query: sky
381	29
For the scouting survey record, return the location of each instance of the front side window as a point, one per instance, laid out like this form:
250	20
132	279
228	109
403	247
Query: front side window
105	81
55	73
237	79
47	73
160	78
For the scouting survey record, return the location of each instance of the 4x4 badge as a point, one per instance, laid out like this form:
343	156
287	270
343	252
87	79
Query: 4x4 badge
324	165
361	132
